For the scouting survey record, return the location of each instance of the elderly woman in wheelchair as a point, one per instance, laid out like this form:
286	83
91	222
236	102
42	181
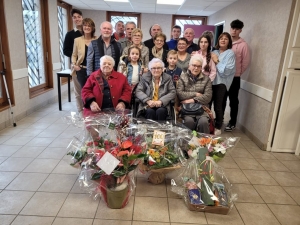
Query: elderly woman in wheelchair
194	92
155	91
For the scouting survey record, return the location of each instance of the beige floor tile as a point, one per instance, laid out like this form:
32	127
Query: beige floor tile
111	222
286	214
39	125
259	177
260	154
170	193
256	214
76	188
4	138
150	223
7	219
15	164
17	141
274	194
44	204
250	164
285	156
72	221
10	131
58	183
249	144
240	153
233	218
50	133
27	181
42	165
294	192
240	145
47	119
70	132
12	202
151	209
62	126
53	153
185	223
105	212
285	178
6	178
33	220
23	125
293	166
179	213
60	143
3	158
8	150
228	163
273	165
37	141
79	206
29	132
64	167
297	174
146	189
31	119
246	193
28	152
236	176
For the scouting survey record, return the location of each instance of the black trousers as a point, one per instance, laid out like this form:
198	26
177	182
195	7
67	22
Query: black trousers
233	94
160	113
81	76
219	97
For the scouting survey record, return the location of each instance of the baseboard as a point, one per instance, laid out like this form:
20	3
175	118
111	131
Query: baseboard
22	115
253	138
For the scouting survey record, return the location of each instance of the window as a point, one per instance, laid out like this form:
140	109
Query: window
5	64
182	20
37	34
114	17
63	12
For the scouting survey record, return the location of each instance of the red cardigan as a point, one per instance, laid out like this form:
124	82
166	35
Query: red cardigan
120	90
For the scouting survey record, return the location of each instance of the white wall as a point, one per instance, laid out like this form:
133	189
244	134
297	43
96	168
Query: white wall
266	24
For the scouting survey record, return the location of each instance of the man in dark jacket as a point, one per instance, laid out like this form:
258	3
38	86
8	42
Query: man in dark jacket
68	50
189	34
155	29
104	45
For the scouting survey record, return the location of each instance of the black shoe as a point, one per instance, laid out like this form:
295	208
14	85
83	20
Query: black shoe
229	127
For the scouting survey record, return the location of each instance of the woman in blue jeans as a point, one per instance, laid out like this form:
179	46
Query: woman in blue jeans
224	59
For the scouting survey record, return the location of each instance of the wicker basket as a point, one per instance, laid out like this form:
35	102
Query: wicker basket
209	209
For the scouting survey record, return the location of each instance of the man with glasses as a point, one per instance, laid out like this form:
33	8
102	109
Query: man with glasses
242	61
127	41
68	50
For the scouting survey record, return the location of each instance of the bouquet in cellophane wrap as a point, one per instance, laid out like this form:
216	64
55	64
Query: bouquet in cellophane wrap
203	183
163	152
108	156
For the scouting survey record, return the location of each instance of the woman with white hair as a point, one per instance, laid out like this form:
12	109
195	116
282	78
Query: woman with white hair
105	88
155	91
194	87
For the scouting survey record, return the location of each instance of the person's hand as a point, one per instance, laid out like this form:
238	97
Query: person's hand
193	53
214	57
157	103
150	103
77	68
188	101
198	94
145	70
95	107
120	106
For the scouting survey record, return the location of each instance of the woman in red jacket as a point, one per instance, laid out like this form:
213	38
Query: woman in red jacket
106	88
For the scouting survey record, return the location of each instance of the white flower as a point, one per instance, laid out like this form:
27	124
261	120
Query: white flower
195	153
220	148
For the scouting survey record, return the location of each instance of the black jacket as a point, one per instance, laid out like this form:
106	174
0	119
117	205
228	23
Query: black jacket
69	42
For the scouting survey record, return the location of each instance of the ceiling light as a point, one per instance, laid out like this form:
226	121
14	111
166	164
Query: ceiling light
116	0
169	2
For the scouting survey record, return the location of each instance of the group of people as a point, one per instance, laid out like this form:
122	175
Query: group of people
110	70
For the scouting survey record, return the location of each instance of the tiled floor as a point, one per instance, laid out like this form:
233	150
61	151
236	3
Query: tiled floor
38	187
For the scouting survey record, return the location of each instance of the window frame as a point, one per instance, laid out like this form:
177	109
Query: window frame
185	17
109	14
45	25
7	67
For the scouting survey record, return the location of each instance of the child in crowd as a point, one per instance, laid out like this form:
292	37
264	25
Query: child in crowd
172	69
131	66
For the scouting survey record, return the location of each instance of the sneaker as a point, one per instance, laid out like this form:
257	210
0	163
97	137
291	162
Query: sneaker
229	127
218	132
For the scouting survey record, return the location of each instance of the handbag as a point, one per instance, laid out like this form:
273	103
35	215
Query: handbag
194	109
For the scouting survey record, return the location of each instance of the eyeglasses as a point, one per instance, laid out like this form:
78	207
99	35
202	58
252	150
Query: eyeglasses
161	41
156	68
137	35
196	66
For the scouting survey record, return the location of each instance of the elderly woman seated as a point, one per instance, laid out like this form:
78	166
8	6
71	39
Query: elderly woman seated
194	87
155	91
105	88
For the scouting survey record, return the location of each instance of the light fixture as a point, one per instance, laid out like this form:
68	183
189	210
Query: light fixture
169	2
116	0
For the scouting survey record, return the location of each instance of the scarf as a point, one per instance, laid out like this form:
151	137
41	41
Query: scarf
157	54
